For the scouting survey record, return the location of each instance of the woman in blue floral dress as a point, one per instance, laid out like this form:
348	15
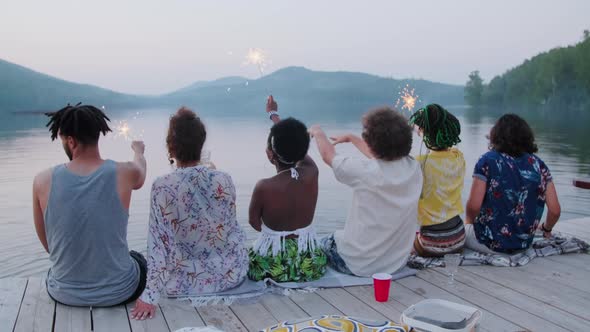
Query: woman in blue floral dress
195	245
511	186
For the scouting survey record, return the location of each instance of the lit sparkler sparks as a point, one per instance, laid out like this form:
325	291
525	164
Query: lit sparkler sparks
257	56
123	130
407	99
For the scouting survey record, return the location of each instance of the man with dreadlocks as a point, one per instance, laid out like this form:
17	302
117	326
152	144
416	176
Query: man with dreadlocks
80	211
443	169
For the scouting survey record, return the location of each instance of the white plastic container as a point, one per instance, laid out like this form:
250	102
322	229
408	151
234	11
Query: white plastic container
442	311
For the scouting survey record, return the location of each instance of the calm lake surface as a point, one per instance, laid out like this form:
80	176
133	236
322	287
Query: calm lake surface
237	147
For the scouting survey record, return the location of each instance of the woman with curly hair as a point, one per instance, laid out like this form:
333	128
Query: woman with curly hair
443	169
511	186
386	184
195	244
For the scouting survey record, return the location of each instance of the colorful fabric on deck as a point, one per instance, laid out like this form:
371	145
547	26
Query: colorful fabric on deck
514	201
336	323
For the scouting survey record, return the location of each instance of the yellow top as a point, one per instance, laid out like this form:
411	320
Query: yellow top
443	173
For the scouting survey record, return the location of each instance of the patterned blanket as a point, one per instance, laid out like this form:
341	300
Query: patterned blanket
557	245
336	323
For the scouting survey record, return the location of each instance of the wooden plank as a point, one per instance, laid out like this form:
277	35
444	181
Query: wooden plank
221	317
555	271
579	231
282	307
254	316
313	304
349	305
536	307
72	319
520	280
404	295
111	319
37	309
585	222
390	309
489	321
575	261
408	297
155	324
179	314
499	307
12	291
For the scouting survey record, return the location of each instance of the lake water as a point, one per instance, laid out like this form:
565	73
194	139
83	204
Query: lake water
237	147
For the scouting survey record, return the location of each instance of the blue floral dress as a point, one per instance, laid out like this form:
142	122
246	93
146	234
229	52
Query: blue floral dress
195	245
514	201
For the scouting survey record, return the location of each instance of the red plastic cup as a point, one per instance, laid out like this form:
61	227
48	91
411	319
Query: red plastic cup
381	284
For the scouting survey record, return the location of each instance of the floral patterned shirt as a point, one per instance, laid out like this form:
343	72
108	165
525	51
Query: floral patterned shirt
195	245
514	201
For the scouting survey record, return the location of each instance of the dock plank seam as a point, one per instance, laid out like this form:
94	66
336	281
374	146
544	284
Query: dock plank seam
525	294
164	317
238	317
474	304
21	304
510	304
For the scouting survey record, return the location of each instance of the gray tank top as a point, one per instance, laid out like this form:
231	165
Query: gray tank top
86	228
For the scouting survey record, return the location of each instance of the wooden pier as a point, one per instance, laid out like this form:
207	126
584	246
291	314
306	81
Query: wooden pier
551	293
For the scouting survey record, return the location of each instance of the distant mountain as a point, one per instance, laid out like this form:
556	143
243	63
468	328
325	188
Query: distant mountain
225	81
22	89
300	92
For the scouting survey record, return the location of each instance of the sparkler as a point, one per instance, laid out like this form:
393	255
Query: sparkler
407	99
257	56
124	130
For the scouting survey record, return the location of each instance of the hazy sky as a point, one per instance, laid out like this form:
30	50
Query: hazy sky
148	46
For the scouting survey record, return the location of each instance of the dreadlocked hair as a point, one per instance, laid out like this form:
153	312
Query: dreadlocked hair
85	123
441	128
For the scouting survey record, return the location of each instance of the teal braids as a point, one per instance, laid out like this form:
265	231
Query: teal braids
441	129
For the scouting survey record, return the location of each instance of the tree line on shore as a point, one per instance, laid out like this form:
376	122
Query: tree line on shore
557	79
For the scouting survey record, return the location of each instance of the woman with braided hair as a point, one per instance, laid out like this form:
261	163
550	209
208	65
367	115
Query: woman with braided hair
443	168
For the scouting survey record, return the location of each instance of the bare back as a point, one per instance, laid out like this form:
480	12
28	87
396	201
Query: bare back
285	203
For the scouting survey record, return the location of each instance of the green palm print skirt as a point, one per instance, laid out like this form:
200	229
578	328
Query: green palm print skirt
288	264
